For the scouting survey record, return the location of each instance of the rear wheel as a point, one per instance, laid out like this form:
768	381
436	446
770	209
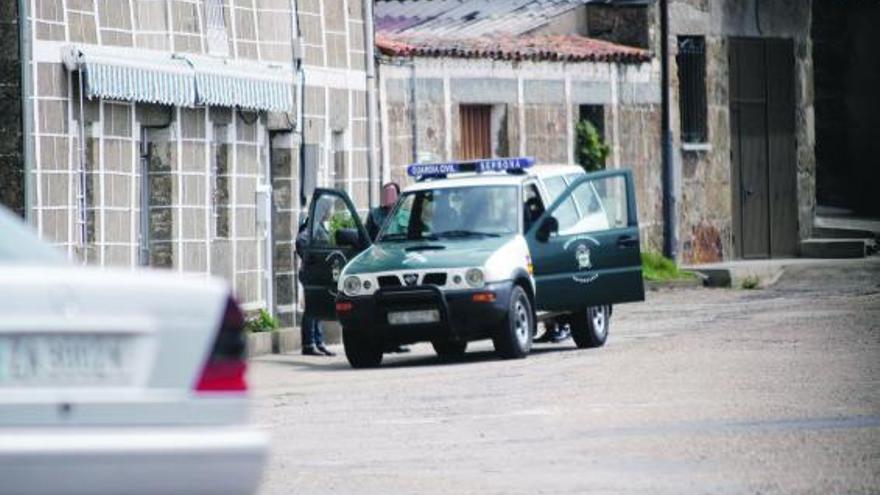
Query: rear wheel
449	349
590	328
360	350
513	339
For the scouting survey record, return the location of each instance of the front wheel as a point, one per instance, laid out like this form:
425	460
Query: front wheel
590	328
513	339
360	350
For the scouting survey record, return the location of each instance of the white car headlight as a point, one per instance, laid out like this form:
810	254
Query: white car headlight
475	278
351	286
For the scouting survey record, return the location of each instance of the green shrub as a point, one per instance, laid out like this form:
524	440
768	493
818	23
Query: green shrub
261	322
591	150
340	220
750	282
657	268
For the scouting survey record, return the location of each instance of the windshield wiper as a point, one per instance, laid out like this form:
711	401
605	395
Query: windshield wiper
405	237
465	233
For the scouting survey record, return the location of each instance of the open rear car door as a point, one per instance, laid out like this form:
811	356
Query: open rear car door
585	247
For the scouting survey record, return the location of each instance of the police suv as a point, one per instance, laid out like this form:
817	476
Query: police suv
476	250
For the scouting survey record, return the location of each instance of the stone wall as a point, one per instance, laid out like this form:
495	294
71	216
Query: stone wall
535	107
705	219
11	133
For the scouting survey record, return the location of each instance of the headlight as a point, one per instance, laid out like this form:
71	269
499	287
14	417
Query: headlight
351	286
474	277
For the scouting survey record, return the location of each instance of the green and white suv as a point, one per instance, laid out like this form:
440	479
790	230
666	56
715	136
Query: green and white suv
476	250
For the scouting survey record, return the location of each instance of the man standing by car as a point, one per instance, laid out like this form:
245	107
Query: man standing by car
375	220
311	333
377	216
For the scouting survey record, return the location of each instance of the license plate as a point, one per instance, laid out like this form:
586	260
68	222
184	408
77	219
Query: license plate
65	360
413	317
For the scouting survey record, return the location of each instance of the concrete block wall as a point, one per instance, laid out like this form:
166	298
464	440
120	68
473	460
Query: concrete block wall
205	166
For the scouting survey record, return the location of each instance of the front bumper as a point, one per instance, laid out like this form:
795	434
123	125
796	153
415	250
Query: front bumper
460	317
131	460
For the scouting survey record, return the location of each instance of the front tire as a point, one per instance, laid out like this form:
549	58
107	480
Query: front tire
513	338
360	350
589	328
449	349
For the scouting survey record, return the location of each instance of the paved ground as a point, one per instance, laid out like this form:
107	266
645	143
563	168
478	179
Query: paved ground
697	391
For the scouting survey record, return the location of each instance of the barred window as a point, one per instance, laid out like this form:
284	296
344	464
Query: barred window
691	62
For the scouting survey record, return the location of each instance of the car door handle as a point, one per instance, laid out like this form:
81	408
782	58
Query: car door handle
627	241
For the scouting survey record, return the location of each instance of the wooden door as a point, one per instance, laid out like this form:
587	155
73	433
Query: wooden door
762	147
476	132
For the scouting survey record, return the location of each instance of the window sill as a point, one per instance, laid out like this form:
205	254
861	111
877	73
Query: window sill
696	147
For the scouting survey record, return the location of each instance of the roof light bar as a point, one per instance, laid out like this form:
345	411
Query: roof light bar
423	170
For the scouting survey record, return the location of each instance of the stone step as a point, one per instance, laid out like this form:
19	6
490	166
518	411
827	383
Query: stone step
836	248
841	233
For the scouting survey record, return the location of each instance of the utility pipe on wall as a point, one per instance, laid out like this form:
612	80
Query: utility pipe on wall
371	99
670	240
27	115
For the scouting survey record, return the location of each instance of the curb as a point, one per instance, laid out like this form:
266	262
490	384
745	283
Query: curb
763	276
287	340
694	283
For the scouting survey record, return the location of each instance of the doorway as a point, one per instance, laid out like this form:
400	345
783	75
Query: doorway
763	155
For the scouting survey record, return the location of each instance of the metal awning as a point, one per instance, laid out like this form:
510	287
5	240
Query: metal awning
235	83
183	80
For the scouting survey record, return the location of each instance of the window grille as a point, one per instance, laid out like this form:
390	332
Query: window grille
691	62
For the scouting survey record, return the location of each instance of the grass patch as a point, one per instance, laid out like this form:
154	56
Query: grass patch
750	282
656	268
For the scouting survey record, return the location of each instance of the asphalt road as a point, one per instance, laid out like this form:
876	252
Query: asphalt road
697	391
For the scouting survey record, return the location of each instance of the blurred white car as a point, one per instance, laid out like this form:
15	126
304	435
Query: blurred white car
119	381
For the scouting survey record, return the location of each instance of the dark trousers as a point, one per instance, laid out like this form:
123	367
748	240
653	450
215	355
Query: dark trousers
311	331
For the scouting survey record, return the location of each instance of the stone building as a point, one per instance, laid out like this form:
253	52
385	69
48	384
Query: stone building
774	116
185	134
504	78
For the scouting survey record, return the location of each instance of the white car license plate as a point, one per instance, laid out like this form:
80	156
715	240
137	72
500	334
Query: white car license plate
413	317
66	360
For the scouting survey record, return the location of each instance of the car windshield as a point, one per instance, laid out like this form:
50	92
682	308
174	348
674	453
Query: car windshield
19	245
453	212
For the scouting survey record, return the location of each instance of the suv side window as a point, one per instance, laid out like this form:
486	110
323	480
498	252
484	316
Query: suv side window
566	214
533	207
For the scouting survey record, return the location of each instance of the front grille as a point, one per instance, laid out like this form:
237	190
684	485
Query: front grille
438	279
389	281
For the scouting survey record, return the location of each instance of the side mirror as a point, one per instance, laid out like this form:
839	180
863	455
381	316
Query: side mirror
347	237
549	226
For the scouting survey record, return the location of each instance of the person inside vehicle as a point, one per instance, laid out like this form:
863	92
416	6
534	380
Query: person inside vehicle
311	331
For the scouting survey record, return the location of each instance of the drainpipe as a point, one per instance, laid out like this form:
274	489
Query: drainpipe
670	241
27	116
371	98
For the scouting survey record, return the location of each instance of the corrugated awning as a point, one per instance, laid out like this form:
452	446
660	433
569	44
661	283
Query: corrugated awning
183	80
234	83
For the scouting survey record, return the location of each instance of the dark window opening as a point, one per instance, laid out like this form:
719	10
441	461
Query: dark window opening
691	61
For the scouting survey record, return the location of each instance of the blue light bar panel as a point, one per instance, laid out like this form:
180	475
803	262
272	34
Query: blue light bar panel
478	166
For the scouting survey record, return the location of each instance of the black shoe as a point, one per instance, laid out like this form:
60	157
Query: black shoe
311	350
401	349
560	334
545	337
323	350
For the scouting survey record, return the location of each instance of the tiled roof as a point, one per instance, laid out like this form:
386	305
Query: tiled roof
497	29
567	48
467	18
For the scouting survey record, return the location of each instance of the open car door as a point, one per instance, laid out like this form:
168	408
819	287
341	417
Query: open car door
332	236
585	247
